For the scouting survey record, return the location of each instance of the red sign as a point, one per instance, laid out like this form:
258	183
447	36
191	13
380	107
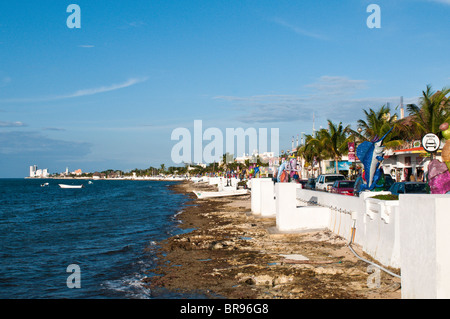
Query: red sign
351	152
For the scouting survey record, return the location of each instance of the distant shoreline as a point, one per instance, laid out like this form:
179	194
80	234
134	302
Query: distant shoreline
174	179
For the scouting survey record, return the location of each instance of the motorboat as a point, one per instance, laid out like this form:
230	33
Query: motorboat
201	194
70	186
45	184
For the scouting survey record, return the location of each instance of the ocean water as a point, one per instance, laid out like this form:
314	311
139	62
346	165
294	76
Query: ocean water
109	229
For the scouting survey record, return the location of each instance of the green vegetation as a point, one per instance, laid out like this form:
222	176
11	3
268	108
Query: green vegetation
377	123
328	143
433	110
386	197
331	143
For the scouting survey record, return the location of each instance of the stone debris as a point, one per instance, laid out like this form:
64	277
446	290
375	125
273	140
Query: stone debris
231	254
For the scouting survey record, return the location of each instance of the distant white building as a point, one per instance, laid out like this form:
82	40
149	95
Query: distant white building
264	157
38	173
203	165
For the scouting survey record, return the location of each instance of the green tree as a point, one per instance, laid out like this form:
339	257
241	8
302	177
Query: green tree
335	139
314	149
433	110
377	123
328	143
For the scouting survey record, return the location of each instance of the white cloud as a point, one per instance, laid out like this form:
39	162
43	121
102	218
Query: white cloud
86	46
80	93
11	124
34	144
56	129
133	25
330	97
337	85
103	89
299	30
261	98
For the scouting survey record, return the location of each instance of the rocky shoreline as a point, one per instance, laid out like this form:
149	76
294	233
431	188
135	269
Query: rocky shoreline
231	253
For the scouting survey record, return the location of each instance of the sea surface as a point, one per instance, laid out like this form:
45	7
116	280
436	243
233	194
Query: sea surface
109	230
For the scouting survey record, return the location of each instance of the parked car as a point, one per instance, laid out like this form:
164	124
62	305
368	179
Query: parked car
409	188
303	182
325	181
343	187
311	183
388	182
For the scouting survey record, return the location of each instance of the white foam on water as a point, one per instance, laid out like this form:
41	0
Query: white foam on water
132	287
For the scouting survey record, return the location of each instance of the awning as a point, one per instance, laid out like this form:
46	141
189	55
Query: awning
414	150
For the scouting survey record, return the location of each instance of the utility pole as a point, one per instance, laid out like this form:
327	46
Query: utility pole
314	129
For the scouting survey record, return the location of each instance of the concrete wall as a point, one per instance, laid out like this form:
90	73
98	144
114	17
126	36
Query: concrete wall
382	231
268	198
214	180
227	184
256	196
263	197
376	222
293	217
342	209
412	233
425	239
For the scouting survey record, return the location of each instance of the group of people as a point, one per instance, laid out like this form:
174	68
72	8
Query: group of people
287	171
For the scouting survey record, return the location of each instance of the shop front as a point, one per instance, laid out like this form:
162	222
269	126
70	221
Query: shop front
407	165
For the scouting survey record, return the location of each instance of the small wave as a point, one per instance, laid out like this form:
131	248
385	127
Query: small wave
175	217
118	251
130	287
178	213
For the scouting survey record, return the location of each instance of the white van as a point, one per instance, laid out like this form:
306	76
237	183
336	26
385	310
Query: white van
325	181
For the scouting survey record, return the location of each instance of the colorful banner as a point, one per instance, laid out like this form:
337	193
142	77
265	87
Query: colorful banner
351	152
344	166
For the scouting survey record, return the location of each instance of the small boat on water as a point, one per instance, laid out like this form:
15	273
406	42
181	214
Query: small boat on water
70	186
45	184
201	194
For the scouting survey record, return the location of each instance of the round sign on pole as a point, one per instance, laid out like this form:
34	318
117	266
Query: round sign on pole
431	142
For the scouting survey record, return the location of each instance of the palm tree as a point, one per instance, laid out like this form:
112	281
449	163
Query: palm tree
313	150
163	168
331	142
336	141
433	110
377	123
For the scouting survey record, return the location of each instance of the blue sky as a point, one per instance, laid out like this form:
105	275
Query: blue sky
109	95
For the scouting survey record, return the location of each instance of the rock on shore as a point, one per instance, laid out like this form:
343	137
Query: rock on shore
232	254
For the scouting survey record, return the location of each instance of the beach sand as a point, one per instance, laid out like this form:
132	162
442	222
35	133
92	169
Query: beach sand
232	254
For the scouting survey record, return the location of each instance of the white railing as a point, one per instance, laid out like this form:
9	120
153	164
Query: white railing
412	233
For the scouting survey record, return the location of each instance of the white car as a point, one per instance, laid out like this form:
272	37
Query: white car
325	181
